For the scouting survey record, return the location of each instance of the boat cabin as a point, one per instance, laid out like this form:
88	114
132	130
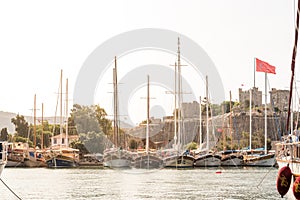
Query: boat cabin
60	140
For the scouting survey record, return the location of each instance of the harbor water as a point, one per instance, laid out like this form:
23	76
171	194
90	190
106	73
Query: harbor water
228	183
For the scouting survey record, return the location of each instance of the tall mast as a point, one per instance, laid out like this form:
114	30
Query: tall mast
207	130
115	83
67	113
223	122
148	115
250	116
293	66
42	137
34	122
179	94
200	123
61	110
230	121
175	109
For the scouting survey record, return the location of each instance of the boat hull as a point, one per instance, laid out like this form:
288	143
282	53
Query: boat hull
34	163
208	160
57	162
179	162
117	163
148	162
2	165
117	158
12	163
266	160
232	161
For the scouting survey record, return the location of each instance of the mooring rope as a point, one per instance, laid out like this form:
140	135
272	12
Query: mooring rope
263	178
10	189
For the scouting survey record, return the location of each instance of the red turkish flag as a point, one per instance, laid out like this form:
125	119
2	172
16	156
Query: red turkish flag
262	66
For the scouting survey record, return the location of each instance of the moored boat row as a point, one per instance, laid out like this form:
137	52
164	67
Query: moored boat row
119	158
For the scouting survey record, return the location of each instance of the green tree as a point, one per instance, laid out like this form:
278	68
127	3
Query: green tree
133	144
85	119
94	142
79	145
21	126
4	134
90	119
226	105
191	146
104	123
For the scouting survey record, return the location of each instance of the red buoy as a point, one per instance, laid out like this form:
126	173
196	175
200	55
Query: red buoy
296	188
283	181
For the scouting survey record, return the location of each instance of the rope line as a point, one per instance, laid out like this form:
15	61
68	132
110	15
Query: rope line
10	189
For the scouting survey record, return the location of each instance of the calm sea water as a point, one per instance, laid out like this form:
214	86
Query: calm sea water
232	183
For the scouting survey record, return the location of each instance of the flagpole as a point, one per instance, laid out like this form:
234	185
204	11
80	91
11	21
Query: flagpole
254	71
265	112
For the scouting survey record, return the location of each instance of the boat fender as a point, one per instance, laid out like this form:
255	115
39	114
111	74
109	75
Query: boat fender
283	181
296	188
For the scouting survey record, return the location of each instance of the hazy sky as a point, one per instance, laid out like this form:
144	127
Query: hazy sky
38	38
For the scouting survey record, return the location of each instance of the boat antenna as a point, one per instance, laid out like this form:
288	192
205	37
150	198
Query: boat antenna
293	66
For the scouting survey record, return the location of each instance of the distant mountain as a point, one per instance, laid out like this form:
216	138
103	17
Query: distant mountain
5	121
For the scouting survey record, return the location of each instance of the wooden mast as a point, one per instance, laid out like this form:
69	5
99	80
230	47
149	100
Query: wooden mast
34	122
293	66
115	83
230	121
175	109
207	130
61	110
179	95
200	123
42	137
67	113
148	115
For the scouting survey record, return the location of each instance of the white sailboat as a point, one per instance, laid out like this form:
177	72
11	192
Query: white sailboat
116	156
148	159
259	158
207	158
231	157
177	157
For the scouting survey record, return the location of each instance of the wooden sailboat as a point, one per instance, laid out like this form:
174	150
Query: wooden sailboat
231	157
259	158
117	156
288	150
61	155
177	157
148	159
15	154
207	158
34	156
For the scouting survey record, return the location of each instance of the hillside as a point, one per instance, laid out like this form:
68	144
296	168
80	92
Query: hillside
5	121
